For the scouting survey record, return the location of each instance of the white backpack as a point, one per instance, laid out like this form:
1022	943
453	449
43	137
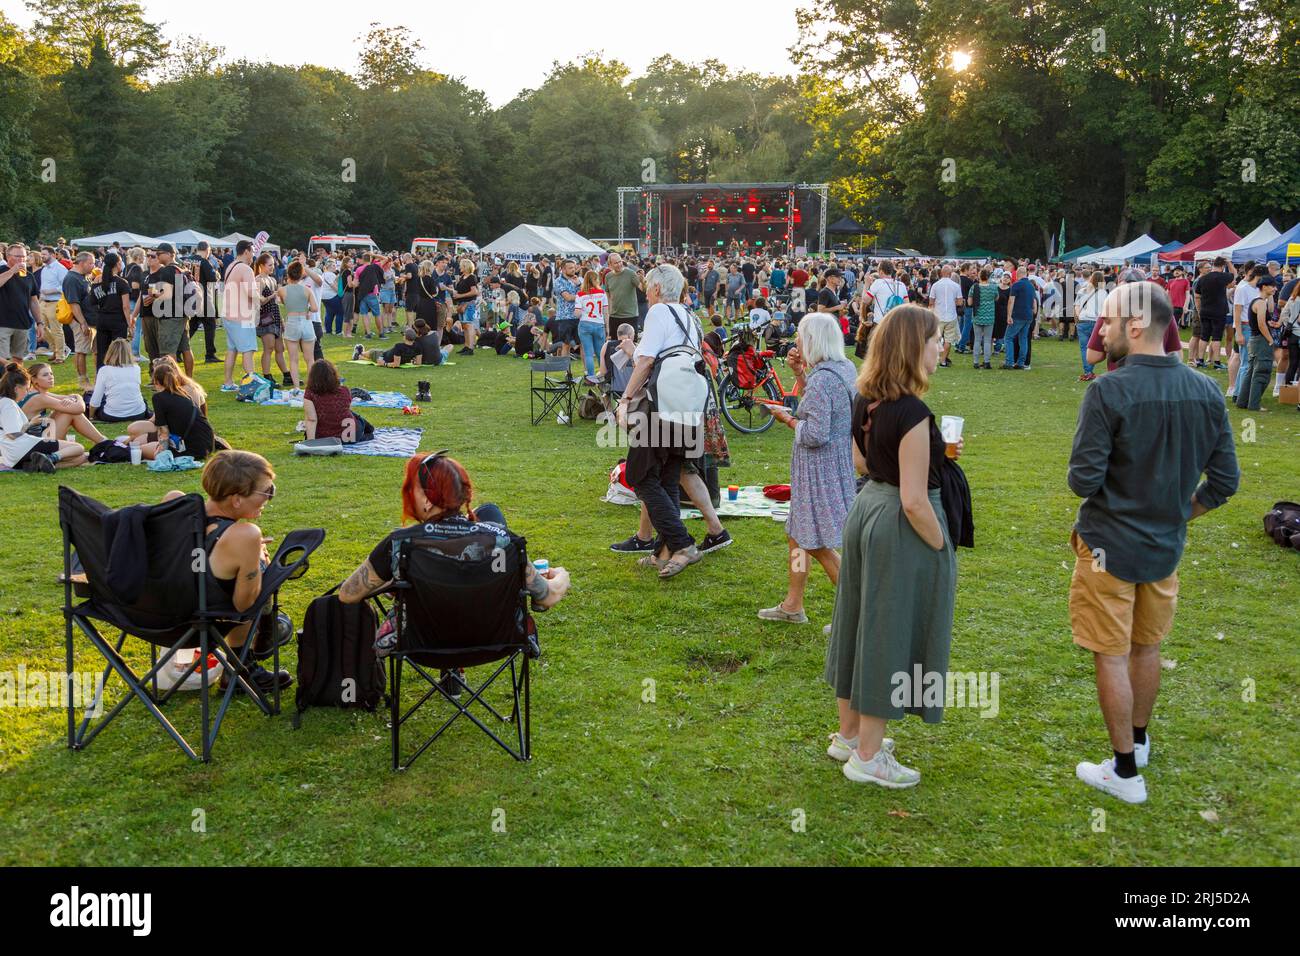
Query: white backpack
678	388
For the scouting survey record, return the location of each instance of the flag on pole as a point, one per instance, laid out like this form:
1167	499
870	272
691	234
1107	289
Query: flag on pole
1060	242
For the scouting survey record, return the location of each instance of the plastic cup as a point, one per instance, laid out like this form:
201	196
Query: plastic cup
733	492
541	565
950	427
135	454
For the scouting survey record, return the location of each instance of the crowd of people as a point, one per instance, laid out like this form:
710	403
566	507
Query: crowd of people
876	497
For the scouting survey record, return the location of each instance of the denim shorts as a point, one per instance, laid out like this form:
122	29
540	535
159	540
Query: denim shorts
387	297
470	316
369	304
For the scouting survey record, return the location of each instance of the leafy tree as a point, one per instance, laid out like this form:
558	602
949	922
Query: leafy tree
74	28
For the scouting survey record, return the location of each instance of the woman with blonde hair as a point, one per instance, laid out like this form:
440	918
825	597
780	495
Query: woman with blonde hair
465	299
43	405
890	637
180	419
136	278
117	396
592	309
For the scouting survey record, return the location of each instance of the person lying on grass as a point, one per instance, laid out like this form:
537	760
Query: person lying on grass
63	411
19	447
327	405
437	493
238	484
400	354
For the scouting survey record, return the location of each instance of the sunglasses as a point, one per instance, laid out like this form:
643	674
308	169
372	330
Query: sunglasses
269	493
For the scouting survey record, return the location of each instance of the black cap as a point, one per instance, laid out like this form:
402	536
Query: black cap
166	247
1267	280
829	273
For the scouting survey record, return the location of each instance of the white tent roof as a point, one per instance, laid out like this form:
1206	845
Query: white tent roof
235	237
126	239
541	241
1261	234
1141	246
192	237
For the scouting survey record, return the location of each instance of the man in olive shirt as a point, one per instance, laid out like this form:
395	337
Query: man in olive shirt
1147	432
621	284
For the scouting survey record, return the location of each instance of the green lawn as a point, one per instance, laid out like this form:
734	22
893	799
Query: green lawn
715	770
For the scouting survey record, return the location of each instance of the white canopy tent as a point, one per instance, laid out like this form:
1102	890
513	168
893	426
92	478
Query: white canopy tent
541	241
1141	246
125	239
235	237
1264	232
189	238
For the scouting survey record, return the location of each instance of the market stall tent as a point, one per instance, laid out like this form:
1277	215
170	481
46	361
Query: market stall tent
532	240
1139	247
125	239
189	238
1264	232
1215	238
1274	250
235	237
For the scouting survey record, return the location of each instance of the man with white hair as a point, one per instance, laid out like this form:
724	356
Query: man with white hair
655	454
1146	434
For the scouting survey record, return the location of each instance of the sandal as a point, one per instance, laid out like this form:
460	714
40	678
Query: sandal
651	561
679	562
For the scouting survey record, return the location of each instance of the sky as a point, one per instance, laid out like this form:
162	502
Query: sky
499	47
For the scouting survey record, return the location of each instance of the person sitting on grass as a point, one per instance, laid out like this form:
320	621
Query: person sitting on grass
437	494
117	396
238	484
525	340
327	405
19	447
63	411
400	354
180	416
428	344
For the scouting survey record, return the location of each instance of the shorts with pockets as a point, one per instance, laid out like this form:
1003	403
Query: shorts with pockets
173	336
298	328
1108	615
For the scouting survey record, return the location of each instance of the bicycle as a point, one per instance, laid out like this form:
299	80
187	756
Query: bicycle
743	379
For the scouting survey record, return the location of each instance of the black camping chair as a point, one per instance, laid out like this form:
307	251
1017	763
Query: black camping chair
462	603
551	383
170	612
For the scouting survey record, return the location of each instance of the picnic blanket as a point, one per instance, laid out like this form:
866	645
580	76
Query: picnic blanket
377	400
750	503
389	443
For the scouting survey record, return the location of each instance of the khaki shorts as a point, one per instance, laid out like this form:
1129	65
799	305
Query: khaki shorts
950	331
83	339
1108	615
173	336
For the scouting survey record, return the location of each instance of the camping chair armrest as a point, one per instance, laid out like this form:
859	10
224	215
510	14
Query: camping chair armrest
281	570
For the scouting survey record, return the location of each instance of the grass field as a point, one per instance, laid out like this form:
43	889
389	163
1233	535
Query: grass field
731	752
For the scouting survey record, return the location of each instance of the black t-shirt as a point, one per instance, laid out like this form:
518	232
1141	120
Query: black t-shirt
159	307
371	277
444	529
464	285
1213	290
175	413
747	270
889	423
966	283
16	301
1259	320
412	271
208	283
403	351
828	298
135	279
429	347
524	339
108	301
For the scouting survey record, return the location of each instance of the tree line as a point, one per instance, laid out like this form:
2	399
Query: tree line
1146	125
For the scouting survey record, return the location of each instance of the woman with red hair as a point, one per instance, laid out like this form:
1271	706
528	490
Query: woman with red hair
437	494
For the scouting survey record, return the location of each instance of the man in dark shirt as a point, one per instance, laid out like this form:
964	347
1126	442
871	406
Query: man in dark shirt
1211	291
1146	434
968	280
1021	306
402	352
207	318
18	304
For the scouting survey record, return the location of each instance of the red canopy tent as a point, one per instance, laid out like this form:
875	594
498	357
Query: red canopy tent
1220	237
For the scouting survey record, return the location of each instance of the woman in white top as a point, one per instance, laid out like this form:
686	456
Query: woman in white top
1087	308
117	396
592	309
19	447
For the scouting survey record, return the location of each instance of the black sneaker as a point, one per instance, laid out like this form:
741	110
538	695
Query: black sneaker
286	379
263	679
466	351
1200	363
635	545
714	542
37	463
453	683
987	366
946	363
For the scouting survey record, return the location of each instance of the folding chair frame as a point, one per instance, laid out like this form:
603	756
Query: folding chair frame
553	392
210	641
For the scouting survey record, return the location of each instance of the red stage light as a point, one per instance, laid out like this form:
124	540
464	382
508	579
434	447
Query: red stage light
753	209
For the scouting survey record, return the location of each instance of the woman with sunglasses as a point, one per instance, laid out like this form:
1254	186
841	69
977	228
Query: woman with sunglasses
238	484
437	494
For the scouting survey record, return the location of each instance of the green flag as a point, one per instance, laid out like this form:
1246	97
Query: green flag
1060	242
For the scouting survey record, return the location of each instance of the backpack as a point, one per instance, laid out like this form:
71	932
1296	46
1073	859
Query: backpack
1282	524
109	452
255	388
678	386
337	666
895	299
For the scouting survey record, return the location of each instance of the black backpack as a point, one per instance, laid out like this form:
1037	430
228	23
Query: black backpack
1282	524
336	645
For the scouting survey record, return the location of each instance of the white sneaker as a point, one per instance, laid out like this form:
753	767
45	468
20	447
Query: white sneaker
882	769
1102	776
1142	752
841	747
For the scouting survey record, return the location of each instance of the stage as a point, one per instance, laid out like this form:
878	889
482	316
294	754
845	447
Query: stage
725	218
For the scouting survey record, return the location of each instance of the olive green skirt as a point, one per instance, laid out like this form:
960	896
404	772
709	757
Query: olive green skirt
892	628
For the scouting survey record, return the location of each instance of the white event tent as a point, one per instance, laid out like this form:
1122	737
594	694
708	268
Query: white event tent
189	238
125	239
541	241
1141	246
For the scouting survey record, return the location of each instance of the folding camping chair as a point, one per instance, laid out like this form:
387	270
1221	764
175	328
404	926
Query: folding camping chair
554	391
170	612
462	603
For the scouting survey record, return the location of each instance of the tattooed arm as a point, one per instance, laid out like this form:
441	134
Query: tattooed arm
363	583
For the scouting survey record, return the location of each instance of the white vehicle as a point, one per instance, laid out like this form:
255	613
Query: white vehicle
336	243
456	246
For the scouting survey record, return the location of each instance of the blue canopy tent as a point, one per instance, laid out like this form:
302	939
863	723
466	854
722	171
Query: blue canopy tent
1170	247
1274	249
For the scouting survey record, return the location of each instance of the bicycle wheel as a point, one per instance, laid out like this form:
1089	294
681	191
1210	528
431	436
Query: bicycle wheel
740	406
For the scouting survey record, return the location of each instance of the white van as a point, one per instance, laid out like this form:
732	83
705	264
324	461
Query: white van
457	246
339	243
